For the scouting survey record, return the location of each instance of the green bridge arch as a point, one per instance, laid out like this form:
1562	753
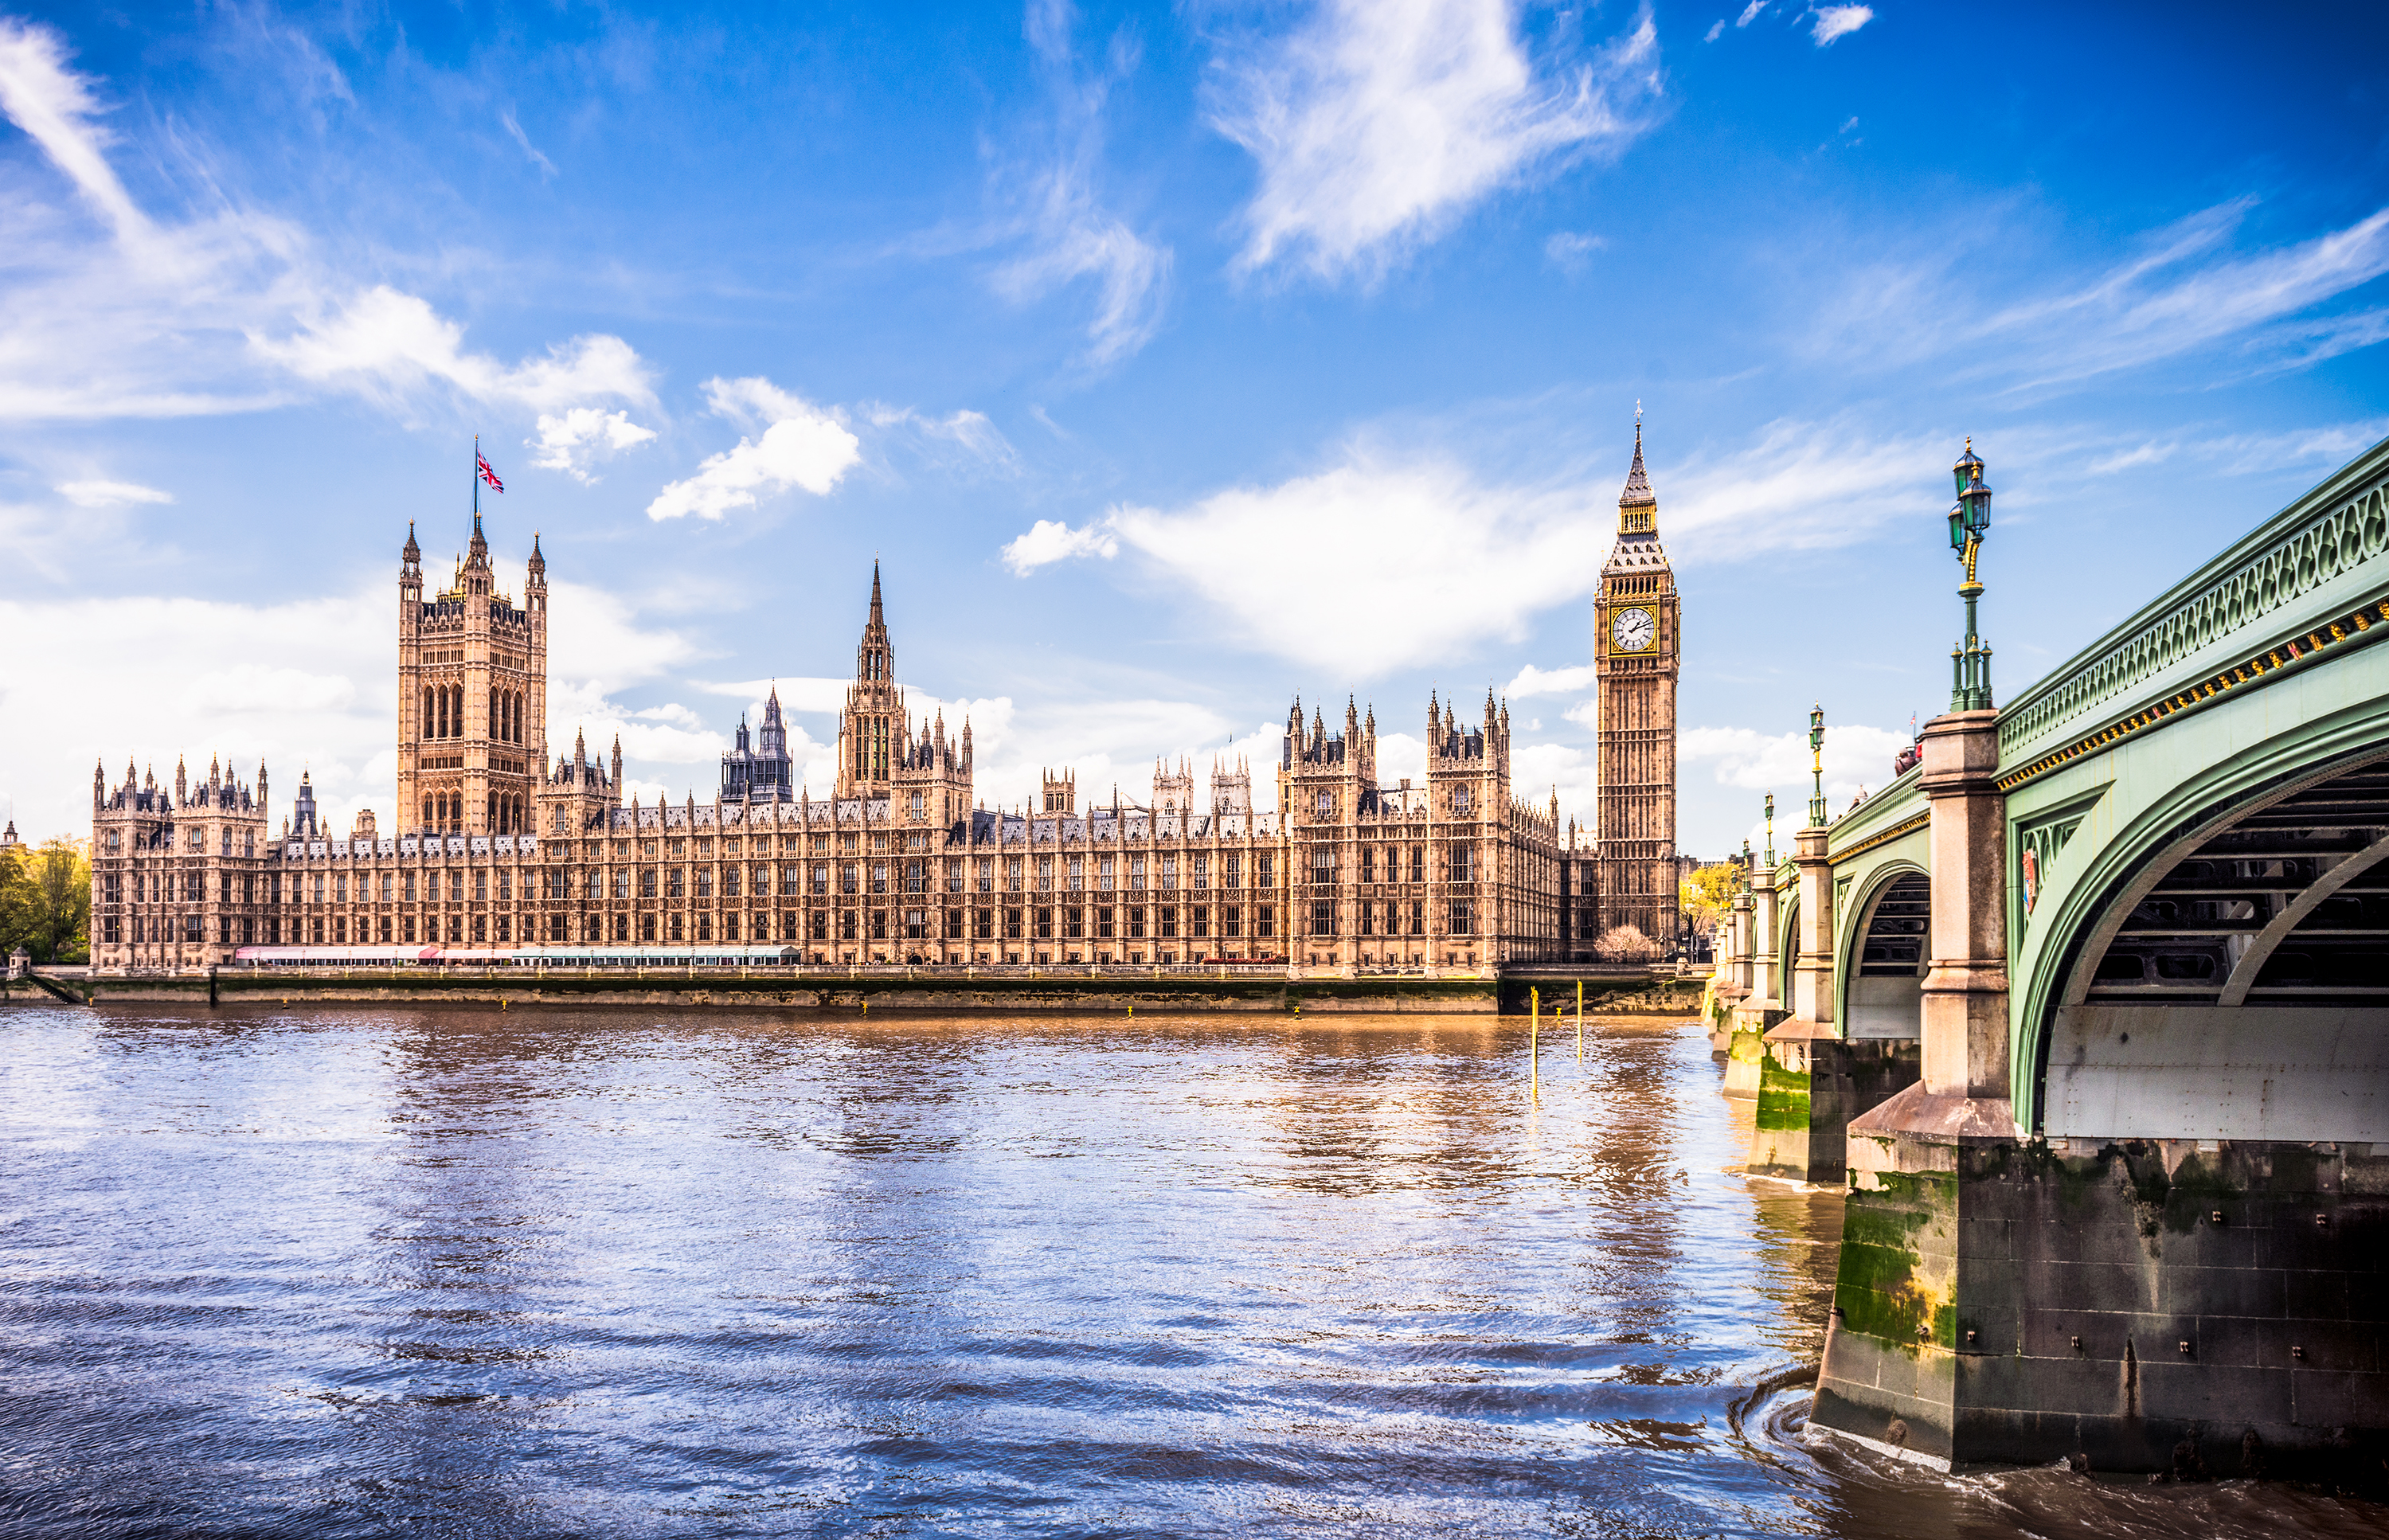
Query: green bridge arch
2258	672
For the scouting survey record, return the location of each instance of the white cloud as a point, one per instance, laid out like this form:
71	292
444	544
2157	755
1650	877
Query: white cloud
796	694
1750	13
579	437
1855	756
1379	124
110	494
222	313
1052	540
1716	30
250	689
386	345
1433	559
1539	772
1835	21
299	701
799	445
1428	560
1532	682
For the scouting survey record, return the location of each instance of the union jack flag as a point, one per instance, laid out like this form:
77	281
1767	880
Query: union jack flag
487	474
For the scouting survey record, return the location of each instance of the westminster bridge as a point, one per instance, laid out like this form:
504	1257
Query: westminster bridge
2088	1008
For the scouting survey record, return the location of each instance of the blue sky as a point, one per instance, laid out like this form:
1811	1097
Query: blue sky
1174	360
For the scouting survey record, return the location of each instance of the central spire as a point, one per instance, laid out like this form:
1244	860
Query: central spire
875	660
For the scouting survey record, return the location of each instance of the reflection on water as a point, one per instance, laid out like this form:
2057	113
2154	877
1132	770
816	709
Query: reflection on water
338	1272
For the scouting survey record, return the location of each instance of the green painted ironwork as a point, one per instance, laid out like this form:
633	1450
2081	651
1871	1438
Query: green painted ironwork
1970	520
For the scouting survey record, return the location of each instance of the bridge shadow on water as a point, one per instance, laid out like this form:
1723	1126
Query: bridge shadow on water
361	1272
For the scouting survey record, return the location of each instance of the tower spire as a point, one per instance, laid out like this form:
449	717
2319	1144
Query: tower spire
1638	507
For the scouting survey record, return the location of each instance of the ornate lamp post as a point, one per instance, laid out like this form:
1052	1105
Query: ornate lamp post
1970	520
1816	766
1770	831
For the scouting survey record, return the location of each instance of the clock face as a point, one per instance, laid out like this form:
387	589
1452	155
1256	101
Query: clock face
1631	630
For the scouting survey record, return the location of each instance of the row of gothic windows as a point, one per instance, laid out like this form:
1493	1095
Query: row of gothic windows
443	813
443	713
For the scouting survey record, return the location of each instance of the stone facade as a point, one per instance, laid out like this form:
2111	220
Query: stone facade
472	694
1638	649
502	848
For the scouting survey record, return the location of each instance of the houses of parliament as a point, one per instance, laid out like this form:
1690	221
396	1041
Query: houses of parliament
504	846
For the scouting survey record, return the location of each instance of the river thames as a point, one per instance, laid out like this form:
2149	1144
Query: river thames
348	1271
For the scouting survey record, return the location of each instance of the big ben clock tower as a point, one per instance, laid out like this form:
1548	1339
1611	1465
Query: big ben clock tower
1636	650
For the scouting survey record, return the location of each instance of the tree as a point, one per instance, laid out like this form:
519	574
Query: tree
1625	943
45	901
1708	892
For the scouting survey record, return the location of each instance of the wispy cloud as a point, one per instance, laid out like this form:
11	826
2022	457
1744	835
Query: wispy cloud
2249	453
1376	125
791	442
231	311
966	430
2185	291
1571	251
514	131
1064	232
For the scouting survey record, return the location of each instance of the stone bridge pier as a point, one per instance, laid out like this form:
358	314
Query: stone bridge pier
2090	1015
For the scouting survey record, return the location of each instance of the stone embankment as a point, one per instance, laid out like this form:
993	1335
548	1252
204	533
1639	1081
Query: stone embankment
1045	991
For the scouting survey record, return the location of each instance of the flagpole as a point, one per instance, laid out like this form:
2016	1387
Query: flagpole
476	478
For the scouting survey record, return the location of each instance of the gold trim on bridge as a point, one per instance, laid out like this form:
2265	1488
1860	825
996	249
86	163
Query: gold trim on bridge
1906	826
2250	671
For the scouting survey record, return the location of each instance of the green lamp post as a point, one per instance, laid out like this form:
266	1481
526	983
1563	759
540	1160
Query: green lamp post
1770	831
1816	766
1970	520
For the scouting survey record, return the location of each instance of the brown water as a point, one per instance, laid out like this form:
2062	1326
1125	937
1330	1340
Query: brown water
336	1272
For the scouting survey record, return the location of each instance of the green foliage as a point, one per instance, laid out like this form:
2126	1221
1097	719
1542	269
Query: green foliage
1708	892
45	901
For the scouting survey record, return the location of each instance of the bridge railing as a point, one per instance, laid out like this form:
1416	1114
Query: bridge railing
2318	563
